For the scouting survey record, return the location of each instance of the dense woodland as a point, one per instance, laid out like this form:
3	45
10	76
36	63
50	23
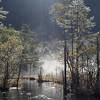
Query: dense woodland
81	49
17	50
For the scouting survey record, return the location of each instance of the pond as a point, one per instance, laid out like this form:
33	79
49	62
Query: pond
32	90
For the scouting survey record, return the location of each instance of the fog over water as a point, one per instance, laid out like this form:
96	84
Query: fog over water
51	64
50	57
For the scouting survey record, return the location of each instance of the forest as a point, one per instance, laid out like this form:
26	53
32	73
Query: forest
56	58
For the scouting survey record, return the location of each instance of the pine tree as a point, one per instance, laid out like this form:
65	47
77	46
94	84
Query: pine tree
2	14
73	17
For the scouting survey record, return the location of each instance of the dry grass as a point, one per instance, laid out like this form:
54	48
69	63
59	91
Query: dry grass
44	78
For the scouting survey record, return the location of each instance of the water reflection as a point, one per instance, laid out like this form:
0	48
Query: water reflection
44	91
4	96
35	91
73	97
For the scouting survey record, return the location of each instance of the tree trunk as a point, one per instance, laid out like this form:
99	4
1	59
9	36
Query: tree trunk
65	82
5	80
19	72
98	69
77	52
72	72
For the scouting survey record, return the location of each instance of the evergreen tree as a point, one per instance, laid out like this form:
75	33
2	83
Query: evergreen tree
2	15
73	17
30	42
10	52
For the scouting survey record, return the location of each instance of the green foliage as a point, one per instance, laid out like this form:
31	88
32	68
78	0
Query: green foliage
30	42
17	50
2	13
73	17
10	50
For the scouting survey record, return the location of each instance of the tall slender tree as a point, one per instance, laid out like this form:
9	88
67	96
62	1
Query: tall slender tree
73	16
98	67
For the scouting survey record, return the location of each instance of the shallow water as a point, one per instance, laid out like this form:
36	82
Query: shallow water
34	91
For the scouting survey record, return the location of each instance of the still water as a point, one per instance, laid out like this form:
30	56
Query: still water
34	91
